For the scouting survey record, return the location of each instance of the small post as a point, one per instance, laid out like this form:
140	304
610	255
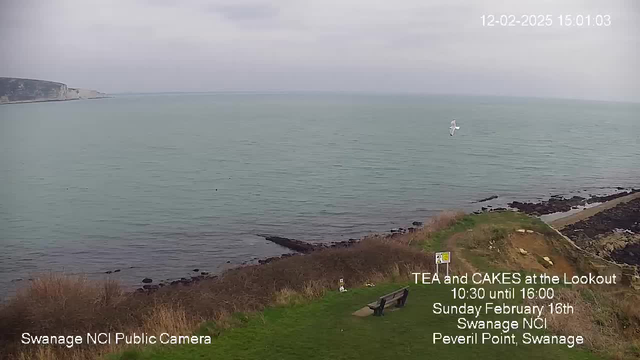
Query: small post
443	258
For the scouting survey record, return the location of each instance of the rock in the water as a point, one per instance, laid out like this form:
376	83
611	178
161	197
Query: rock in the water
487	199
293	244
116	270
108	272
147	281
196	270
417	223
553	205
558	203
595	199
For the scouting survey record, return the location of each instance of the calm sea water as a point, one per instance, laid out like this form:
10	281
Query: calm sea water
159	185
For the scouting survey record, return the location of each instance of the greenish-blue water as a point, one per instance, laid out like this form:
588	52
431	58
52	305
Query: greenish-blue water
159	185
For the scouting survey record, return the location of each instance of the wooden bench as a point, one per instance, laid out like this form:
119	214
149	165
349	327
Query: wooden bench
399	296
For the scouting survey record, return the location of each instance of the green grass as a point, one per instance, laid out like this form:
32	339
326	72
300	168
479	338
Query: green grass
325	329
480	262
501	221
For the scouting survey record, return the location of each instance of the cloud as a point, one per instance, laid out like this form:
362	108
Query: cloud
357	45
247	12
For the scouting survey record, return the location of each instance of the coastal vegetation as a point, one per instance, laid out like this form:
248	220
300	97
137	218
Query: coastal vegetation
58	304
290	307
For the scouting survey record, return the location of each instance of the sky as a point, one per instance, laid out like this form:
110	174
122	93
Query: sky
379	46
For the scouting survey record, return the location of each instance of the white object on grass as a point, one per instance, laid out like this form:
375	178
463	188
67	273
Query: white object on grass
453	127
342	289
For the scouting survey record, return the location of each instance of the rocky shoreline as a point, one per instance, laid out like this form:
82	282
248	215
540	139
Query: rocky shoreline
559	204
615	220
612	233
298	246
618	226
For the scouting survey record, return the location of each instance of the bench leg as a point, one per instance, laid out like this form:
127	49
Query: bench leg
403	299
379	309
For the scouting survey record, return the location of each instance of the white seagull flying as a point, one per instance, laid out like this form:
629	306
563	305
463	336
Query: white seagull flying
453	127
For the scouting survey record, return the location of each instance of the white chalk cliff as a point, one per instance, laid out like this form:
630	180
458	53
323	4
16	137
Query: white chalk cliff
15	90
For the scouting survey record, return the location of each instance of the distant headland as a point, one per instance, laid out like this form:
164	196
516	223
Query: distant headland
15	90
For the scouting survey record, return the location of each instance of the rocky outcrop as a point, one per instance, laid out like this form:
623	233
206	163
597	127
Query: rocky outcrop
558	203
488	198
612	233
15	90
293	244
305	247
553	205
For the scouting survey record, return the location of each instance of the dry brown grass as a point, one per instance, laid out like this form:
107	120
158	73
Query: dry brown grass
287	296
168	319
609	323
434	224
56	304
444	219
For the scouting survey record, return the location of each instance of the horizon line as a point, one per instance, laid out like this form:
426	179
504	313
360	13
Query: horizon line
361	92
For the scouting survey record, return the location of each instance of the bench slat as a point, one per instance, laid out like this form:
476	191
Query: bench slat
400	291
394	296
397	291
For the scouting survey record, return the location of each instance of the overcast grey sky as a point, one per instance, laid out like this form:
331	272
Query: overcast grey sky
415	46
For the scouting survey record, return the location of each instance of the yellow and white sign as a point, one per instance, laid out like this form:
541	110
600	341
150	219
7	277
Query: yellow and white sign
443	257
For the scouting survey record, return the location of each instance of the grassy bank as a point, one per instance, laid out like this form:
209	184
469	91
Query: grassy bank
289	309
325	329
606	317
62	305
